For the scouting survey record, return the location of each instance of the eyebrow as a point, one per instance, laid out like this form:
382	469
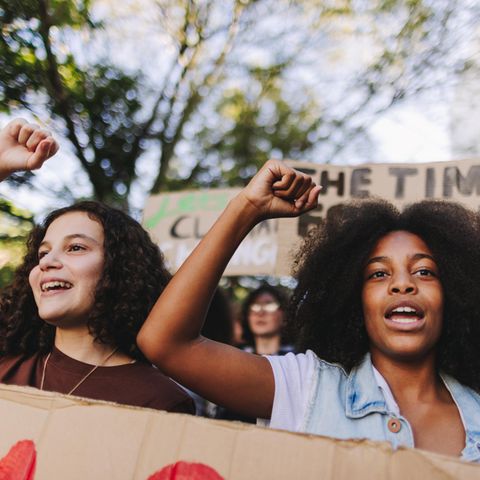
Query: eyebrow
417	256
72	236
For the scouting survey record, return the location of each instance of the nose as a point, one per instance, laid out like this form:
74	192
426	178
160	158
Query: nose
402	283
49	261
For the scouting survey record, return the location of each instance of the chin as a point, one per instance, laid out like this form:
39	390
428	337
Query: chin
51	319
410	355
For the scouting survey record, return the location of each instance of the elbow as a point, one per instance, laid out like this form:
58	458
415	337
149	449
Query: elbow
158	349
149	347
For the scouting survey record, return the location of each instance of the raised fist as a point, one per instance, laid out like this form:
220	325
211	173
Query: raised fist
24	146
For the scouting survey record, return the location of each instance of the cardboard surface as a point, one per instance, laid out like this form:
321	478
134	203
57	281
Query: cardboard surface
177	221
84	439
399	183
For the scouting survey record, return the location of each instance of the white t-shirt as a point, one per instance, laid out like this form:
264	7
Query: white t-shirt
293	379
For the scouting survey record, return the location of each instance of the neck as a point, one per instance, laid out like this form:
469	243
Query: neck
80	345
268	345
413	381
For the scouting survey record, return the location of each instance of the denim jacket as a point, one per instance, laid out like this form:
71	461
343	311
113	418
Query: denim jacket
351	405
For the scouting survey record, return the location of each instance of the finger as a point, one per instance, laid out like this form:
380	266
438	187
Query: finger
296	188
312	198
304	186
26	132
286	180
36	137
302	199
54	146
50	146
42	153
13	128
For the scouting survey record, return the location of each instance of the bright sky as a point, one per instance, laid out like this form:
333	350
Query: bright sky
413	132
409	134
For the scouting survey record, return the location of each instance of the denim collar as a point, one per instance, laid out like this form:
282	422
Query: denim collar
363	397
468	403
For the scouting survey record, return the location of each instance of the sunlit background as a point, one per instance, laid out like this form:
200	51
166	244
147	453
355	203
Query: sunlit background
152	96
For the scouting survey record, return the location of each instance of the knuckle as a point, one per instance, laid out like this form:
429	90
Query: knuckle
30	127
17	122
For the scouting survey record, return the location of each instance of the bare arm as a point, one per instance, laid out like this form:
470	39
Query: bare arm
171	338
24	146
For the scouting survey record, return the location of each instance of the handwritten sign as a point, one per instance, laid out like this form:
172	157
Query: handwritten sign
178	221
400	184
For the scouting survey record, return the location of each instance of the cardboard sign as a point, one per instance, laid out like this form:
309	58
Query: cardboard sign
400	184
178	221
78	439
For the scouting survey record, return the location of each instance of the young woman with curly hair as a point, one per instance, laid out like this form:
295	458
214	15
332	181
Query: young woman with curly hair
69	320
387	309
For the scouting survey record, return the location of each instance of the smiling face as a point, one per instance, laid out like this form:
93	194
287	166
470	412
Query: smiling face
265	317
71	261
402	298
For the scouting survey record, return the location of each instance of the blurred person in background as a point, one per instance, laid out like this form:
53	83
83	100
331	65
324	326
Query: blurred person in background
263	321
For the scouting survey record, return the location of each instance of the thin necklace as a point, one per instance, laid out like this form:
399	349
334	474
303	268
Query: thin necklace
84	378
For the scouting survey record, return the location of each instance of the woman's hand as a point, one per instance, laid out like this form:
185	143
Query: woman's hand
24	146
280	191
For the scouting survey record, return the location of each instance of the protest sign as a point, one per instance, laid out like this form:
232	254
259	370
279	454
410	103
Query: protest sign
398	183
66	437
179	220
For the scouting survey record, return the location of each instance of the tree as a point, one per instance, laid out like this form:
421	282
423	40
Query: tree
110	115
15	226
206	90
404	48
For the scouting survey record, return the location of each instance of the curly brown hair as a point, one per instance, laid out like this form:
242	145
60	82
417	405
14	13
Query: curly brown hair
326	310
133	277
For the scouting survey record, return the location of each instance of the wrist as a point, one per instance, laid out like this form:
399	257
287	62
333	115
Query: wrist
246	213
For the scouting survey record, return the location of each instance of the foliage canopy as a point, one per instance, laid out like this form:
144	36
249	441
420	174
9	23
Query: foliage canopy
181	93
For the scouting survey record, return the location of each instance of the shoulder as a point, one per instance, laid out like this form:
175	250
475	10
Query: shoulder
19	369
294	376
297	377
303	372
303	363
466	397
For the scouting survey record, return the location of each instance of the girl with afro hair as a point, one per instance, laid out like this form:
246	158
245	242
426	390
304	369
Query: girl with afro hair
386	312
69	320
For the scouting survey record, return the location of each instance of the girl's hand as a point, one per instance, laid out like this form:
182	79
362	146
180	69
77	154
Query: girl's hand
24	146
280	191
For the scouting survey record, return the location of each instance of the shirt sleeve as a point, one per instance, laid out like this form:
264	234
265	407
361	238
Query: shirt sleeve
293	374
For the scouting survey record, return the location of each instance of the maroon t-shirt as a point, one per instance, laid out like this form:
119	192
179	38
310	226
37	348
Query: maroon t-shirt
139	384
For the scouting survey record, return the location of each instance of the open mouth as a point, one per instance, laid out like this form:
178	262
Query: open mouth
55	285
405	314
